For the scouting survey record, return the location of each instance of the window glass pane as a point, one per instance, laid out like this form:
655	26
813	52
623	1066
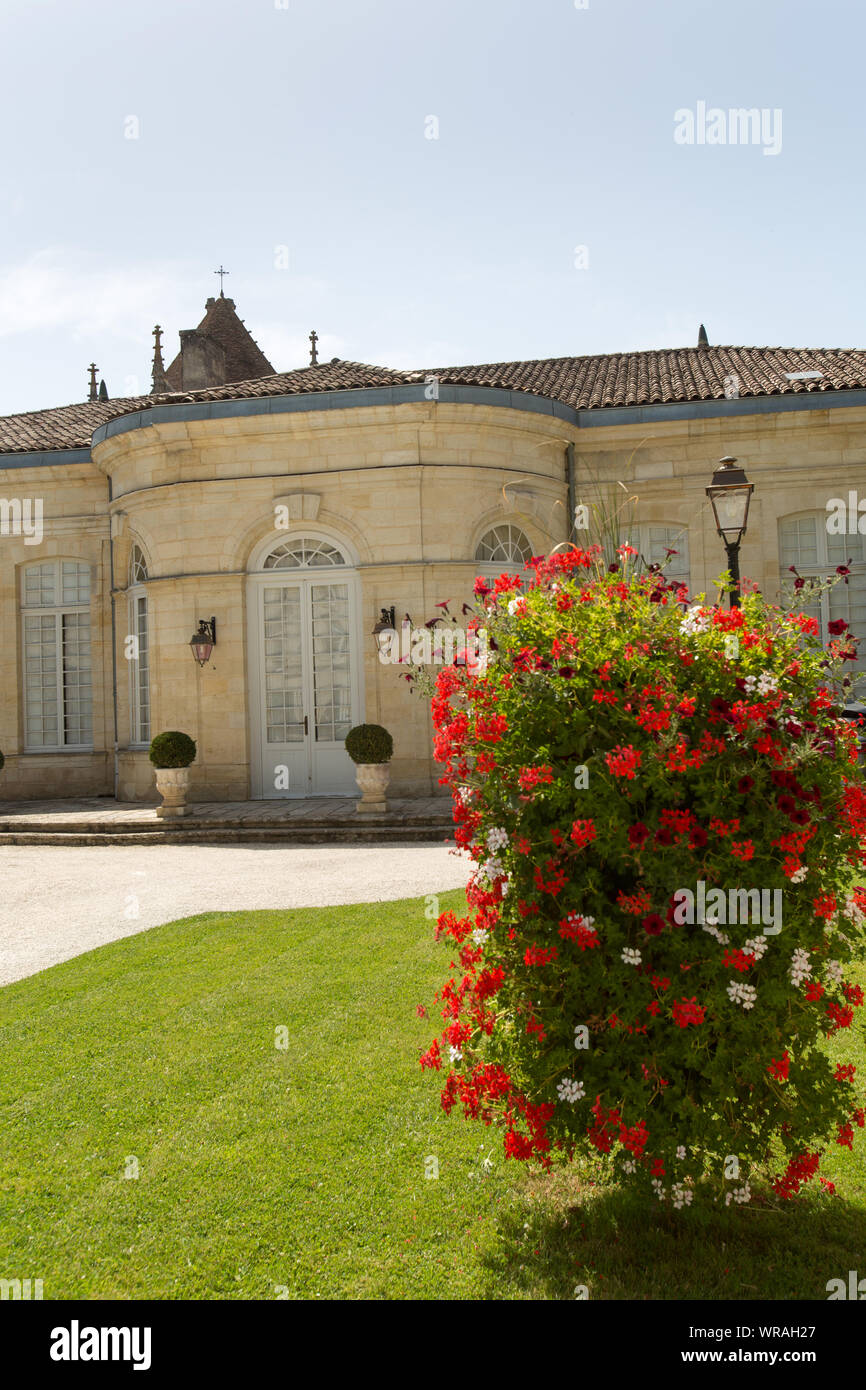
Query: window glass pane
504	544
40	586
798	542
841	549
304	553
75	582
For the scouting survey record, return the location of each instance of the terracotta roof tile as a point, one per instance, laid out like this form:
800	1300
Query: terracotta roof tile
596	382
63	427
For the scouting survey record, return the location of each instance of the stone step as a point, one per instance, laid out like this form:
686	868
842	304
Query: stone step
188	824
289	834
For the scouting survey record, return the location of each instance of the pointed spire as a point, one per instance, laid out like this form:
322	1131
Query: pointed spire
103	391
703	340
158	375
93	369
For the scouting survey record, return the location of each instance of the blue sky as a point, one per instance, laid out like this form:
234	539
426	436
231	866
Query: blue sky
305	127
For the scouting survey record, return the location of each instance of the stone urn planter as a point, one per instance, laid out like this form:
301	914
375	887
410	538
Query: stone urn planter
370	747
172	783
171	754
373	779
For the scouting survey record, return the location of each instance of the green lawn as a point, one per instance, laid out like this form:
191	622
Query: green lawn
263	1169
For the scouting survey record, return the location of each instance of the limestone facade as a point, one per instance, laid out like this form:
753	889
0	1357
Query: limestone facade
405	490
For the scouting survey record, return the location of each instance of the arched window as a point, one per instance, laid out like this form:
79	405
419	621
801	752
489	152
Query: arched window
138	649
304	552
805	543
505	546
58	698
653	540
137	566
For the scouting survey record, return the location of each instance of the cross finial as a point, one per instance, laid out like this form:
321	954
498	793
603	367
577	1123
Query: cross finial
221	273
314	338
93	369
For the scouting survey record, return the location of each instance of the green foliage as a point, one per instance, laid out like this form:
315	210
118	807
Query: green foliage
172	749
369	743
620	754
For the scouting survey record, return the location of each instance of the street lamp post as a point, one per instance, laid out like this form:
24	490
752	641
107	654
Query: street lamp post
730	493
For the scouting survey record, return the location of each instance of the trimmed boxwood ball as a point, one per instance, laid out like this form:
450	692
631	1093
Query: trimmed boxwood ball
369	743
172	749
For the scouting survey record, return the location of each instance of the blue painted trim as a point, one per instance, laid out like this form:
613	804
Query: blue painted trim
359	397
716	410
497	397
48	459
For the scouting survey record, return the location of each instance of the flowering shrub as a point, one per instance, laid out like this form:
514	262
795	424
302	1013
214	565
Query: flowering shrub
666	814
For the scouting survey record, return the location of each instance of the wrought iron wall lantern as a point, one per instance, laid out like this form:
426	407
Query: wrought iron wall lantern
384	627
203	641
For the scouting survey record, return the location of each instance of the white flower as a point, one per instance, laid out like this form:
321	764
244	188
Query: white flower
739	1195
516	605
629	1165
456	1054
695	621
756	946
570	1090
479	936
799	874
743	994
681	1196
833	972
681	1151
721	937
800	968
492	868
853	912
630	956
497	838
659	1188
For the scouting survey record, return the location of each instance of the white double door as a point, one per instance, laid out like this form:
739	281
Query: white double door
305	682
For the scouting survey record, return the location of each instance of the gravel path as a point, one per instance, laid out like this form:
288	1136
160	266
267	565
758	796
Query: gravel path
59	901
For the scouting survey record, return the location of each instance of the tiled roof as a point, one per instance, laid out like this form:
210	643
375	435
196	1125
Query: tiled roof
244	357
666	376
64	427
669	375
327	376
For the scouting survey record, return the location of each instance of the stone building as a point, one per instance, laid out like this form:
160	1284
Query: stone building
292	507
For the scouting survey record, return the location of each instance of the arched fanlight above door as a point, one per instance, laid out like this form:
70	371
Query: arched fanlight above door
304	552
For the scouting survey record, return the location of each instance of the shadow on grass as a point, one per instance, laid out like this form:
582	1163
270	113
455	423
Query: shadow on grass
564	1231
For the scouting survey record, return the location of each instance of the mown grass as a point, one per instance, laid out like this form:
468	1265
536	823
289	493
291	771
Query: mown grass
300	1172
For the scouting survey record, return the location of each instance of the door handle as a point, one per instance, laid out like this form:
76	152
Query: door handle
306	726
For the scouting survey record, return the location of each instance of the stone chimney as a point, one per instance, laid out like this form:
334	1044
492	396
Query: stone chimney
202	360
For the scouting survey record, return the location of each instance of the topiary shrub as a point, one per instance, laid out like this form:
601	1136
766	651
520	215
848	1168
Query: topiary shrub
172	749
666	814
369	743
